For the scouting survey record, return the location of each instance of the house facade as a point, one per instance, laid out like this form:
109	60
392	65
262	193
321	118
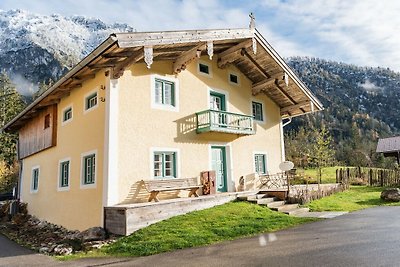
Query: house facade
158	105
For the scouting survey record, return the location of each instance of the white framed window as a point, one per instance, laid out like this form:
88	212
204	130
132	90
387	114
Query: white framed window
91	101
204	69
64	173
260	162
164	163
164	93
67	115
233	78
35	179
89	169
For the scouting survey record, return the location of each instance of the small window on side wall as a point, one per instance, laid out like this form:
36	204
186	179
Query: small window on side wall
64	174
91	101
67	115
35	180
233	78
257	111
89	169
204	69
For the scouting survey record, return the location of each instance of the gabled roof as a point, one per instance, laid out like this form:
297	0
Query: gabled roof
388	145
245	48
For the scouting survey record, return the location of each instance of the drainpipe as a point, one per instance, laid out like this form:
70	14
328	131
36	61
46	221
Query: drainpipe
288	122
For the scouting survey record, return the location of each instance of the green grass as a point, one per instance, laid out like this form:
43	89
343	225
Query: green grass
199	228
356	198
328	174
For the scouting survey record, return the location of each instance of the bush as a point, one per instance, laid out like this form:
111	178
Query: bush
8	176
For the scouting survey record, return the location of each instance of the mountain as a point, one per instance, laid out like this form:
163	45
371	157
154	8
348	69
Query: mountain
34	48
361	105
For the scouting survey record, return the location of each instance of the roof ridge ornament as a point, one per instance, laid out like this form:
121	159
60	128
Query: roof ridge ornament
252	27
210	49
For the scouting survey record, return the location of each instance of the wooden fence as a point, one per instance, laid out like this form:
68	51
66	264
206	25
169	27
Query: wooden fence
368	176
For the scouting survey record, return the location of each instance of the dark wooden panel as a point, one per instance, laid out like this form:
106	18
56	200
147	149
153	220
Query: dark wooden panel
39	133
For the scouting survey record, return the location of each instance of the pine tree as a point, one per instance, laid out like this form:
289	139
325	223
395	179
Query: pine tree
11	104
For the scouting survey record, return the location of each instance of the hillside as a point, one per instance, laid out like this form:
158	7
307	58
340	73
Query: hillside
361	105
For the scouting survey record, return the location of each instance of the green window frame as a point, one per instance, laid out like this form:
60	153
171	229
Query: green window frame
260	161
35	179
89	169
67	114
164	164
91	101
64	174
257	111
164	92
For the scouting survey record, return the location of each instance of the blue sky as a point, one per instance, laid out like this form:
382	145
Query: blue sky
361	32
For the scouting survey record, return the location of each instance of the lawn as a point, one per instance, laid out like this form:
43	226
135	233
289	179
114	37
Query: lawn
199	228
328	174
356	198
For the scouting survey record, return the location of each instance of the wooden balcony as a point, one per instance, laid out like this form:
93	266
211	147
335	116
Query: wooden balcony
225	122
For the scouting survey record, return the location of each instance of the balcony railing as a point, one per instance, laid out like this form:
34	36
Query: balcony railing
226	122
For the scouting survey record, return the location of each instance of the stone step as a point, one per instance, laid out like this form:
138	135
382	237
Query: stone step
282	208
275	204
297	211
242	198
257	196
265	201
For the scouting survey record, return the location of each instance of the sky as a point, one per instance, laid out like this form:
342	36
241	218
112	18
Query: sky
360	32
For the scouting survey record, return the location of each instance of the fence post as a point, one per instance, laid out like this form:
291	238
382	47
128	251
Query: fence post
371	173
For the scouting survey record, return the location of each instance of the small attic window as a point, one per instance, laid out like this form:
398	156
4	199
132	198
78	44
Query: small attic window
47	121
204	69
233	78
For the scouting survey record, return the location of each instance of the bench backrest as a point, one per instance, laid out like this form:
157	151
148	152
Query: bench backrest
170	183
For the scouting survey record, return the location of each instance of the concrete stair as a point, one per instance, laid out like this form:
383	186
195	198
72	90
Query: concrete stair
274	204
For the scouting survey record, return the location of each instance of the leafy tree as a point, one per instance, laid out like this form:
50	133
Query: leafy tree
321	151
11	104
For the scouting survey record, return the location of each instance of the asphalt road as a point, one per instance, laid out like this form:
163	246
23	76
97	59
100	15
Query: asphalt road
13	255
365	238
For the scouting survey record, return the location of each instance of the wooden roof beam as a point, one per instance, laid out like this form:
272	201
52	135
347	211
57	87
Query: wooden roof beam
85	77
118	70
231	54
187	57
294	107
264	84
70	86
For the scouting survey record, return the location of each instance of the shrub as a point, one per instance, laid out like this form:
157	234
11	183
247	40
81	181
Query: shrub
8	176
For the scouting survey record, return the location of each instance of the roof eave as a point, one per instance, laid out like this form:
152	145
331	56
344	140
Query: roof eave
95	53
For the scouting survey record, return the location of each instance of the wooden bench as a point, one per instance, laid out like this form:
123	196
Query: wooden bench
162	185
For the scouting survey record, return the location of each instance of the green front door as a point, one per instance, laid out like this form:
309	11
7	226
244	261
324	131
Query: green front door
218	164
